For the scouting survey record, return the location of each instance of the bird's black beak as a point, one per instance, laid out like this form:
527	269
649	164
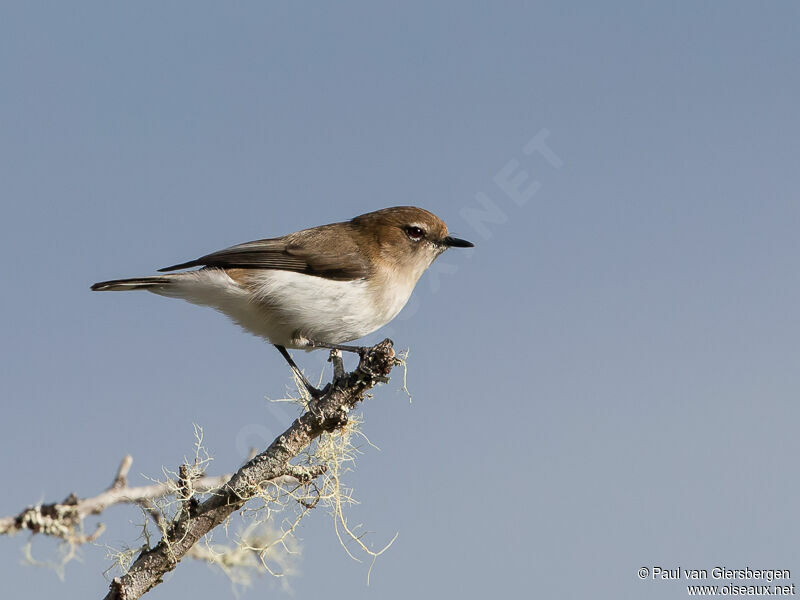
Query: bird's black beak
452	242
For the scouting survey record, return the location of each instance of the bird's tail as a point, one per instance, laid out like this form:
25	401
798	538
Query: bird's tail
136	283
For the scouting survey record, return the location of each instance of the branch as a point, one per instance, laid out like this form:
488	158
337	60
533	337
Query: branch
63	519
326	414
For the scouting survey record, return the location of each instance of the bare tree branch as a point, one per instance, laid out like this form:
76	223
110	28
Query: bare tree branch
62	519
325	414
225	493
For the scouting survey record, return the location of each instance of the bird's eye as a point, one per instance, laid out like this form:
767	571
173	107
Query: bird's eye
415	233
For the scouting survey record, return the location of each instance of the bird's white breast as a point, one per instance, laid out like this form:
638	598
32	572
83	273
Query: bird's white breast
320	309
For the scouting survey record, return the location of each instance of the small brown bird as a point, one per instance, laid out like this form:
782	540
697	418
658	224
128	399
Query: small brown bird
314	288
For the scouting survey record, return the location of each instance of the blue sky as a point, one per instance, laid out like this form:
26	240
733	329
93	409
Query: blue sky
609	380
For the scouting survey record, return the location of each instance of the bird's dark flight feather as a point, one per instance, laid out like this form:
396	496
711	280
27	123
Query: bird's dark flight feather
320	251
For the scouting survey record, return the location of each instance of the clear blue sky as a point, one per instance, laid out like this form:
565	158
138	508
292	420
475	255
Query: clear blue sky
608	381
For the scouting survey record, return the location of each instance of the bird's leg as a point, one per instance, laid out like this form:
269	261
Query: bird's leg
355	349
315	392
362	351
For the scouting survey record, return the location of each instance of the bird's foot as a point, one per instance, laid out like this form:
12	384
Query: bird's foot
317	393
375	368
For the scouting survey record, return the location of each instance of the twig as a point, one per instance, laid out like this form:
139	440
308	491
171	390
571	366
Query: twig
62	519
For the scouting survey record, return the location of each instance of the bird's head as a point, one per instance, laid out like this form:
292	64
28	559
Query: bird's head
405	238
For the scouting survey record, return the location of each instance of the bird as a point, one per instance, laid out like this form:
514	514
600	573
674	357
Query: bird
314	288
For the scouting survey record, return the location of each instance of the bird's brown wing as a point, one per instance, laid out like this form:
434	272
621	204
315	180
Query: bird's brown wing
321	251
